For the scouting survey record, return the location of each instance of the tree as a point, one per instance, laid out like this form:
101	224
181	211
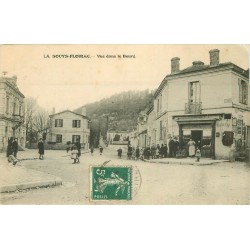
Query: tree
36	119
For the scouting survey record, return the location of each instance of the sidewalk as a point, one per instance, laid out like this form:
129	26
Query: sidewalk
13	178
186	161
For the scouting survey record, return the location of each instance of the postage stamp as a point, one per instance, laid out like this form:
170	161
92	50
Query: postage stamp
111	182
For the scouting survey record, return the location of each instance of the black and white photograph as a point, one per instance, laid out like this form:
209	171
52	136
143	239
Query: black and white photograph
125	124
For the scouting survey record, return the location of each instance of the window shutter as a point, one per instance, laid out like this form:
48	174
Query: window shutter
240	91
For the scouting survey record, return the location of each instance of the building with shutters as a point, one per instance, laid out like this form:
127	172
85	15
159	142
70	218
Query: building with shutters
68	126
11	112
209	103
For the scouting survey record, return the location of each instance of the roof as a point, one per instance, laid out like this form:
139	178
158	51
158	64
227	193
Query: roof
200	67
84	116
11	82
150	109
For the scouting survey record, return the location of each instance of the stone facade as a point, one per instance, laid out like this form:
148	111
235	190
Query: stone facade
11	112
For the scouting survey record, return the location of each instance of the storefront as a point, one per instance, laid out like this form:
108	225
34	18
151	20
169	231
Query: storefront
201	129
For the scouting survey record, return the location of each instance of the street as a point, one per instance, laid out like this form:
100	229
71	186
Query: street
219	183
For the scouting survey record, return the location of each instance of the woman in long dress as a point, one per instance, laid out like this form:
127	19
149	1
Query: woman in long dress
191	148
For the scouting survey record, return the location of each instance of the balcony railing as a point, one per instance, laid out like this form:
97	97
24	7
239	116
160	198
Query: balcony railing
193	108
17	118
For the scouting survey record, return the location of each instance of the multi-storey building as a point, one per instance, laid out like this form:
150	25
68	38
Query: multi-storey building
206	102
11	112
68	126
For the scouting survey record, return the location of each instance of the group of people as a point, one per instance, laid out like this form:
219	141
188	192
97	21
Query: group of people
100	150
137	153
163	151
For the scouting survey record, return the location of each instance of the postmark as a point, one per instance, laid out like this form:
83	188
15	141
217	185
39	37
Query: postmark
114	182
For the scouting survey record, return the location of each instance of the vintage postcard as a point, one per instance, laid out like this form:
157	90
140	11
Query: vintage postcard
124	124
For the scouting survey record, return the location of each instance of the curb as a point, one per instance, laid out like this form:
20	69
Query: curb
28	185
184	163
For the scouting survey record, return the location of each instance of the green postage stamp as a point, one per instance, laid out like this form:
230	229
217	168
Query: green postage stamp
111	183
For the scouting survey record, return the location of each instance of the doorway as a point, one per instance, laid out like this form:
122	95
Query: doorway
196	135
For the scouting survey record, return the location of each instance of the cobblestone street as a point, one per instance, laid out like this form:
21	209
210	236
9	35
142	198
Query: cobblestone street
219	183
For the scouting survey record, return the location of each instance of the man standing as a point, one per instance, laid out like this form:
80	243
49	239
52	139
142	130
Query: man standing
15	147
101	150
176	146
40	146
78	145
171	147
119	153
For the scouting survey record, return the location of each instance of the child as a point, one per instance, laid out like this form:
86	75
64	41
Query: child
157	153
198	155
92	150
74	154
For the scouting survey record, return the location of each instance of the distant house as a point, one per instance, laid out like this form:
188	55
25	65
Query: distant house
117	137
68	126
11	112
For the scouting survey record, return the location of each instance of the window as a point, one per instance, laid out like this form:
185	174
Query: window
20	109
194	92
58	122
159	103
76	123
14	108
7	104
243	92
161	130
76	138
58	138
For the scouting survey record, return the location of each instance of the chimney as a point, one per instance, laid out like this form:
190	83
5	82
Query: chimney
214	57
198	63
84	111
53	111
175	65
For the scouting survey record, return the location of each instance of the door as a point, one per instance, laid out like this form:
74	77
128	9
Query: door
196	136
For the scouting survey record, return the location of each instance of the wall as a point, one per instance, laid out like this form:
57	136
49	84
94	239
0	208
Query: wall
214	86
221	151
235	89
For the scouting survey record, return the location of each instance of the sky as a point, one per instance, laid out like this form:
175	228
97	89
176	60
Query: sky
69	82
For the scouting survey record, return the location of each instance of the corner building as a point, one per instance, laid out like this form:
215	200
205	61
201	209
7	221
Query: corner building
208	103
11	113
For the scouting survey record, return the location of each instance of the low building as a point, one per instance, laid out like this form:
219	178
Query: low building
11	112
68	126
117	137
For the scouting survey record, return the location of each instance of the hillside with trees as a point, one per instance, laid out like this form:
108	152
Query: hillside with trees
118	112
